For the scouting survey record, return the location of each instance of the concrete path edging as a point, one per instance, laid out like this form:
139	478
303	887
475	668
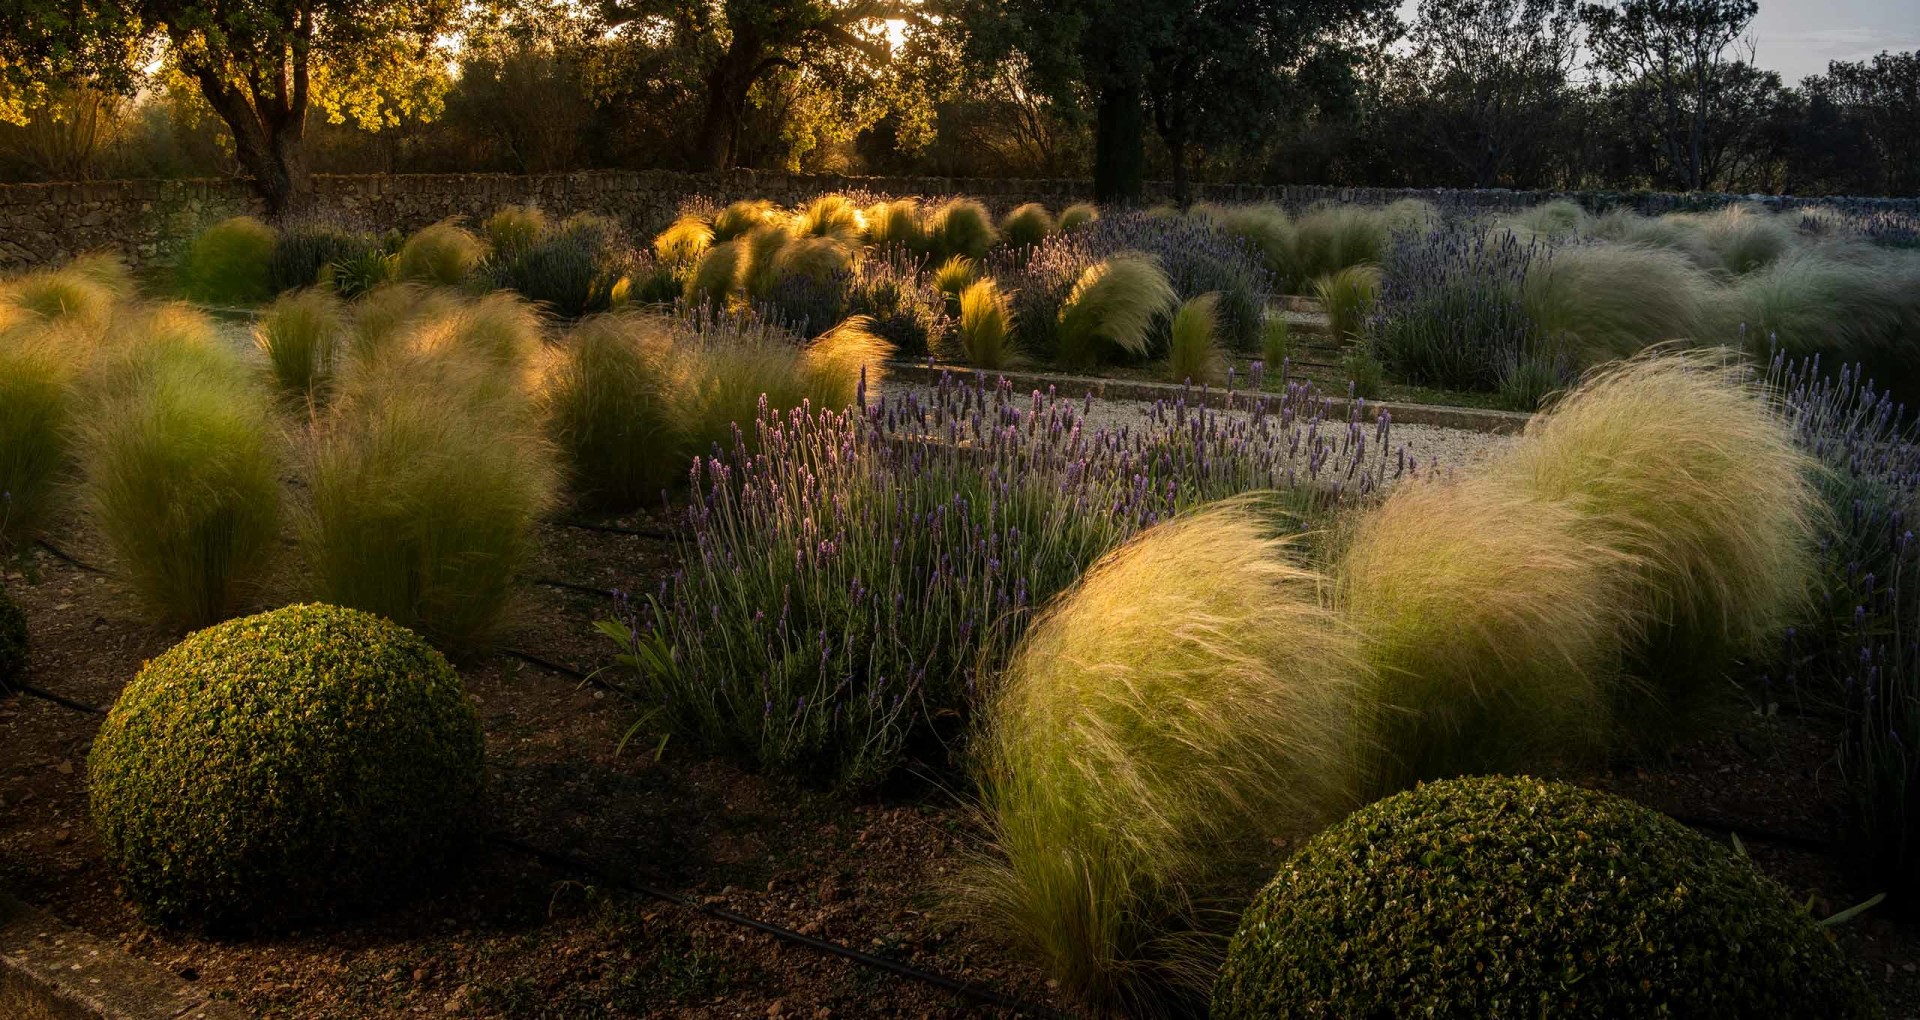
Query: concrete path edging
69	975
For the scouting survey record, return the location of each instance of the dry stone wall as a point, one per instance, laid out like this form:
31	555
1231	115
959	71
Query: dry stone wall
145	220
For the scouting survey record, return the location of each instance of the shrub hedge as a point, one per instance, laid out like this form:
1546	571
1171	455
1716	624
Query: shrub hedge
1517	897
283	766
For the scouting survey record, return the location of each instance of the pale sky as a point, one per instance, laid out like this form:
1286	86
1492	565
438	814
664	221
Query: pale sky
1798	37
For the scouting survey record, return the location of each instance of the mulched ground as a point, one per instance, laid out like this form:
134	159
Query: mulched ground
506	936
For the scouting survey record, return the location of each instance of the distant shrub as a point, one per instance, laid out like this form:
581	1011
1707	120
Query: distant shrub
1678	463
1181	706
292	765
181	477
308	253
1114	303
441	255
36	422
611	406
1026	225
1193	355
986	327
302	334
1494	896
424	482
573	270
229	263
13	642
514	228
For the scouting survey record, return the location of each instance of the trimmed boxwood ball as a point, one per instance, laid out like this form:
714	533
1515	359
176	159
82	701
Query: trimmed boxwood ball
1516	897
284	766
13	642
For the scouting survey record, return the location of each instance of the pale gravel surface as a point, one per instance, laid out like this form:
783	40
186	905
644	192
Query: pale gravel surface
1425	444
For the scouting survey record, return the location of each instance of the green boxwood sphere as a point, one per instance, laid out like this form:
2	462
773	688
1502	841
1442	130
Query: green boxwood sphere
13	642
1519	898
285	766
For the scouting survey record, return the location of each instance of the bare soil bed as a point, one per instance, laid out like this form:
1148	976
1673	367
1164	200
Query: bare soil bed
508	936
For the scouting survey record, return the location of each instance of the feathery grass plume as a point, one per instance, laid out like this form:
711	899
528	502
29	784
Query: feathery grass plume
1744	238
1115	301
955	275
819	259
718	274
501	328
728	376
986	327
424	481
1276	342
385	316
107	270
514	228
1676	460
439	255
301	334
1606	301
36	409
835	365
960	226
680	246
1077	215
80	293
1863	309
1026	225
119	360
1555	220
1265	226
895	222
1491	627
761	267
1348	295
1676	233
609	401
741	217
1183	705
180	475
1193	355
831	216
229	263
1332	238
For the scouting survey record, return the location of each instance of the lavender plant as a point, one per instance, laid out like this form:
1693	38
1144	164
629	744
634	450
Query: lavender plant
1450	311
1861	655
853	576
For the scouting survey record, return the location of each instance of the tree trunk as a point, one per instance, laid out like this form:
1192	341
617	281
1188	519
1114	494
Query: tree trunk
270	145
717	147
1119	145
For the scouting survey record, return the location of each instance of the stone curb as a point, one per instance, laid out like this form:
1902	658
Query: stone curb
1470	419
70	975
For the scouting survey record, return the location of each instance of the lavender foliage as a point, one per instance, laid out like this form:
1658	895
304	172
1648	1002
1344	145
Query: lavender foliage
1450	313
893	287
855	577
1861	655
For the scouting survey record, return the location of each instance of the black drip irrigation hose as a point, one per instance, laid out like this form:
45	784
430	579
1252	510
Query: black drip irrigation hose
58	554
659	534
983	996
584	589
46	695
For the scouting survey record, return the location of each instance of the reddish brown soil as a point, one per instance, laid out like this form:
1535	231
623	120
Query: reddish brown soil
505	936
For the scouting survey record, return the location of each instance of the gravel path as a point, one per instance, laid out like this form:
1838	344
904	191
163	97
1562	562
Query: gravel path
1424	444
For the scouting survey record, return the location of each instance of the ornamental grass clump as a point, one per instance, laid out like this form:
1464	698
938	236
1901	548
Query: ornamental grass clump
424	480
898	222
1490	623
1182	706
680	246
1193	354
36	432
1114	304
986	327
960	226
955	275
831	216
383	319
1557	220
514	228
1077	215
302	334
1027	225
1332	238
180	473
84	294
855	576
1349	296
1861	308
229	263
610	401
442	255
1603	302
742	217
1197	256
502	329
1502	897
1677	462
294	765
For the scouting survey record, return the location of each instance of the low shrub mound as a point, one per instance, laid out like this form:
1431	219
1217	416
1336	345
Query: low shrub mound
1516	897
13	642
289	765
